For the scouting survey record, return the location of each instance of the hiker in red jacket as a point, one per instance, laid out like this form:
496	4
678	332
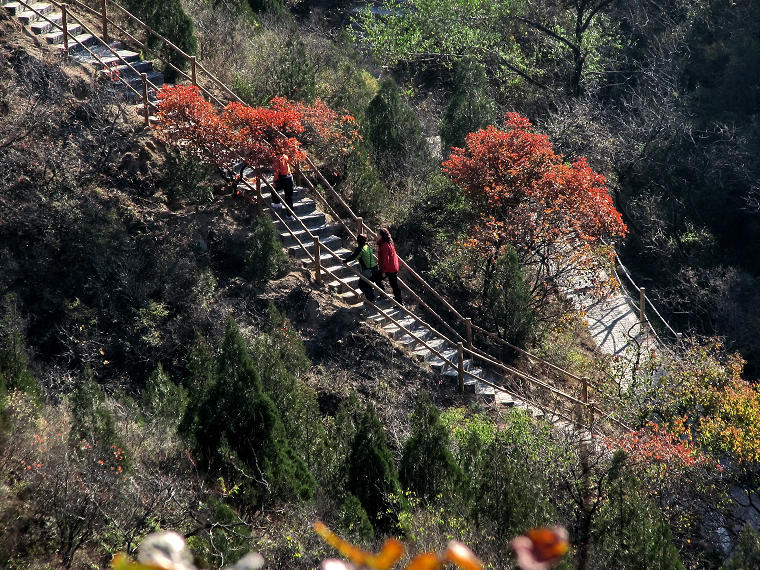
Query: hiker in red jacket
388	261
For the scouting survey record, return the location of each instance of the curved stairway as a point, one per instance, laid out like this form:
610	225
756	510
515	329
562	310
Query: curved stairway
424	339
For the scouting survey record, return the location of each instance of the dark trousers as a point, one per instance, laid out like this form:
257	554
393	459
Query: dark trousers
366	288
284	184
393	280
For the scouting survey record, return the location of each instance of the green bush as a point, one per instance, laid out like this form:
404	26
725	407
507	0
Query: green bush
427	467
372	473
367	194
263	257
394	130
169	19
187	179
509	302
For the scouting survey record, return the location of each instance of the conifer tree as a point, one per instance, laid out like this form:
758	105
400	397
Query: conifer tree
236	412
470	108
427	466
629	531
507	295
371	473
394	131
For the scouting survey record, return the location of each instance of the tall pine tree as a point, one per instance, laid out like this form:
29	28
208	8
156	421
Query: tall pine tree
236	415
427	466
372	474
470	108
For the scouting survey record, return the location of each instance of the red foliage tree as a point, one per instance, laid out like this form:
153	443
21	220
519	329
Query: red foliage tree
554	214
189	121
251	136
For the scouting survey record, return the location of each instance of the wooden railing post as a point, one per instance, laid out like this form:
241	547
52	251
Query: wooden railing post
104	17
359	225
192	70
65	26
468	326
317	261
146	106
259	199
460	366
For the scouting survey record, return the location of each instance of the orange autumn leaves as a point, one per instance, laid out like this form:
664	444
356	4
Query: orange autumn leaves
526	196
538	549
252	135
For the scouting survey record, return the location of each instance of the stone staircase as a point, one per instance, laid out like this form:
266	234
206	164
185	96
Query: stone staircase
44	19
384	312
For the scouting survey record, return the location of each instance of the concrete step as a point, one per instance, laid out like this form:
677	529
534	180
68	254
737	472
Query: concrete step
26	16
323	232
13	7
43	26
333	242
314	220
394	331
56	36
124	70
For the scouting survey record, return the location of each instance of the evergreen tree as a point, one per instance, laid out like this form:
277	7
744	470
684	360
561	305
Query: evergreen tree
237	415
508	299
427	466
629	531
372	474
509	488
297	75
394	131
169	19
14	363
163	398
354	519
470	108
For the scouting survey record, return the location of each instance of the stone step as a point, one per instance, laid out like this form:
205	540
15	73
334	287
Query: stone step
27	16
412	342
56	37
14	7
350	283
394	331
42	26
314	220
333	242
124	70
323	232
503	398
